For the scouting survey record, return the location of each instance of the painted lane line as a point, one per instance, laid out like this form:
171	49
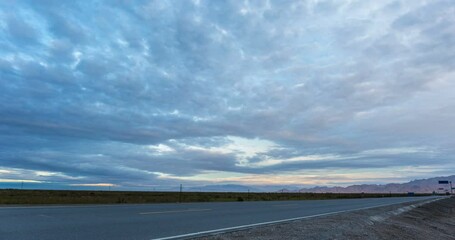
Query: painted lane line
3	207
247	226
286	205
68	206
176	211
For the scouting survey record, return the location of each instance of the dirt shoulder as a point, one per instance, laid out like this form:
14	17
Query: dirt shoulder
426	221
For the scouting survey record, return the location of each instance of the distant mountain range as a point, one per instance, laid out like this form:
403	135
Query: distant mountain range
417	186
238	188
223	188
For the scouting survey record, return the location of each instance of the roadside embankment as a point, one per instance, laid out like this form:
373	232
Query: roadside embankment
425	220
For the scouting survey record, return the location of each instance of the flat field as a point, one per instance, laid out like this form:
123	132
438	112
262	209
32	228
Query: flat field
15	196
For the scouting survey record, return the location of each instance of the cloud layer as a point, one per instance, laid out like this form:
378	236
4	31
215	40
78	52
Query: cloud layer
152	93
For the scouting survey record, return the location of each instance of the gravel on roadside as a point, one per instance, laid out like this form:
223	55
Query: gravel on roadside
425	221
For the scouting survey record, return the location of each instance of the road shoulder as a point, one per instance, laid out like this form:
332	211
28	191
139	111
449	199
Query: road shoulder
423	220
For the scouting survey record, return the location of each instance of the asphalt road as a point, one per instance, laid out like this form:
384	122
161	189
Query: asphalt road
152	221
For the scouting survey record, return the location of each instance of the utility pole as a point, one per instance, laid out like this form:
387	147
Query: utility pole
180	193
248	198
22	185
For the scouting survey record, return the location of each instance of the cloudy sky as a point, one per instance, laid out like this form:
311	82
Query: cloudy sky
142	94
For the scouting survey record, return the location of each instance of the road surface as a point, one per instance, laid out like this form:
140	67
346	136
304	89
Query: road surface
154	221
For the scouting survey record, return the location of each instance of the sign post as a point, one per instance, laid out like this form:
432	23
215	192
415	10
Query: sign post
447	182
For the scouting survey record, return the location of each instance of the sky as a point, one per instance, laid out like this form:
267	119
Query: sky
153	94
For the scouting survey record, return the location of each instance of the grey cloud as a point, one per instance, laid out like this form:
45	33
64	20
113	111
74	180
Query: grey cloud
21	31
316	78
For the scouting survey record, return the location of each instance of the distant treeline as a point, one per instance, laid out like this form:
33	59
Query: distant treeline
14	196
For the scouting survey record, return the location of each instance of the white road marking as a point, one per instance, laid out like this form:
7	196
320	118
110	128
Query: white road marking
286	205
2	207
221	230
176	211
74	206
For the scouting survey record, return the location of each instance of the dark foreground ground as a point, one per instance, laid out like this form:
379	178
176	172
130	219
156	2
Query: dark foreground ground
14	196
435	220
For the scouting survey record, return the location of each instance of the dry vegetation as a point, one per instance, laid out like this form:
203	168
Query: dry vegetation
14	196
